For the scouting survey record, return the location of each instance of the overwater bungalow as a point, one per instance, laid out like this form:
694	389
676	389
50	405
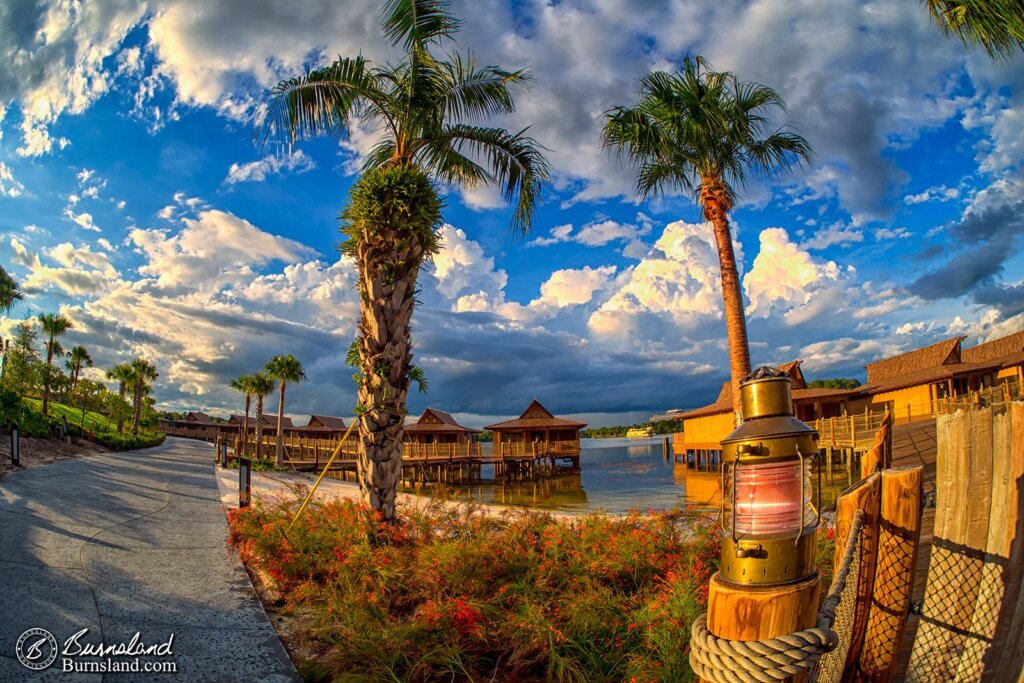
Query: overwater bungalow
705	427
537	431
268	423
914	385
437	426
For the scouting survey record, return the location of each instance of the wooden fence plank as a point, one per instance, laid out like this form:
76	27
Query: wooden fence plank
929	659
899	530
1006	662
864	495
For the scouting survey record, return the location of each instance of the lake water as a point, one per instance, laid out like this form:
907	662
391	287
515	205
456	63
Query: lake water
617	475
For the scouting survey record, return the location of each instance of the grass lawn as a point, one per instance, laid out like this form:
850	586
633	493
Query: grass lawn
94	422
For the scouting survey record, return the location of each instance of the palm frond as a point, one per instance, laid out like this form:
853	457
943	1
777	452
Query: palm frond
417	22
474	93
996	26
516	162
320	102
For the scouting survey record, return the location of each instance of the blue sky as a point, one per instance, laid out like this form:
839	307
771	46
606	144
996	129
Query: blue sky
132	198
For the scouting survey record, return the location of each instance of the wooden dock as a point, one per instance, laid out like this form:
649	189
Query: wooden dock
916	444
451	463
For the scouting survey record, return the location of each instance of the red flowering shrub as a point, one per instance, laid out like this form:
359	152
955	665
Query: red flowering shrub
453	594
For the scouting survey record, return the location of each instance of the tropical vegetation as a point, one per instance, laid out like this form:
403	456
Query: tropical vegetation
38	397
10	293
283	369
707	134
996	26
429	104
54	326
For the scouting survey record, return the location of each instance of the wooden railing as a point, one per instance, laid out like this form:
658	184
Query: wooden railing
1006	390
849	431
537	448
440	451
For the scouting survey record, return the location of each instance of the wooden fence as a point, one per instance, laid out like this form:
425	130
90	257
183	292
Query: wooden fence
972	623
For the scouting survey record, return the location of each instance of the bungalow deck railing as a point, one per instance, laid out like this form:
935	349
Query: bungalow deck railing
537	448
849	431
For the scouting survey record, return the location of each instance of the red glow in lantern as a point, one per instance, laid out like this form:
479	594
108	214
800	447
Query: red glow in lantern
770	498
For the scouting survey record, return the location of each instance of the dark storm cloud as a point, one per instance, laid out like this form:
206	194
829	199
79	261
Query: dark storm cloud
981	243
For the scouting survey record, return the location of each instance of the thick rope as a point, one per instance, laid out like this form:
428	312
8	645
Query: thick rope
774	659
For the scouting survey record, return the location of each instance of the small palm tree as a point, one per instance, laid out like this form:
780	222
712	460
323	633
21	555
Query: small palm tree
284	369
54	325
996	26
244	385
142	372
9	291
429	108
262	385
77	357
705	133
122	374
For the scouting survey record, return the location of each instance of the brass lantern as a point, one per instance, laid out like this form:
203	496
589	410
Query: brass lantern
768	522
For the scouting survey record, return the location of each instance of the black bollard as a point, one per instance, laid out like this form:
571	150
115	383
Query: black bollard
15	447
244	482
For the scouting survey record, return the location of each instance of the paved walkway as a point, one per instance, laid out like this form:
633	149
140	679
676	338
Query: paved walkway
125	543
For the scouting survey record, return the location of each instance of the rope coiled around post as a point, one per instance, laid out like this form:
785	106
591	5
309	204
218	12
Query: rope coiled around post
719	660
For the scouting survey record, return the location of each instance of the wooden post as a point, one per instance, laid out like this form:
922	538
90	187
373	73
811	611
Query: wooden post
865	495
754	613
899	531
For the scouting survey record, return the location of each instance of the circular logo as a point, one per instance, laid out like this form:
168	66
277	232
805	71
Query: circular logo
36	649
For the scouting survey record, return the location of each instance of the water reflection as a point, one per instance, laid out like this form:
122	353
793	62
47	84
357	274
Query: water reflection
617	475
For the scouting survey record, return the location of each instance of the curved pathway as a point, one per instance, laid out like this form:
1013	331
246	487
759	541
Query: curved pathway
131	542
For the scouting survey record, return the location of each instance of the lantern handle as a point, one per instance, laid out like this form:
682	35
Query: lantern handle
802	493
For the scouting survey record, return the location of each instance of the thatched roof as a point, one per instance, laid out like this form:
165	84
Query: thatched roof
536	416
723	404
328	421
434	421
197	416
995	350
942	353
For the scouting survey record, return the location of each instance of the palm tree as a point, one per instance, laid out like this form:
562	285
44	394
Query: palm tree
142	372
244	385
54	325
122	374
262	385
996	26
77	357
430	109
284	369
705	133
9	291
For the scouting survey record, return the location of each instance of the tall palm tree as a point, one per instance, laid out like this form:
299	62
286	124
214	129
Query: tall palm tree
244	385
285	369
122	374
54	325
706	133
996	26
262	385
77	357
142	372
9	290
429	108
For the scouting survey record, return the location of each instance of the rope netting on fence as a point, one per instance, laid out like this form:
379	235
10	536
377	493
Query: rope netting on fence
821	651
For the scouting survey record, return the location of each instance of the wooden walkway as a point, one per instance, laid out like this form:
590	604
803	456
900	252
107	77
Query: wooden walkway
916	444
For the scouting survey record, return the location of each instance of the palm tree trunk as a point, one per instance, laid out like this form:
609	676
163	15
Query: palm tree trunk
732	295
137	395
245	426
259	427
385	345
46	380
120	422
279	456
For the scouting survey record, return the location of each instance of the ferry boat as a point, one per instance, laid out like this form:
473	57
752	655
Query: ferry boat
640	433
